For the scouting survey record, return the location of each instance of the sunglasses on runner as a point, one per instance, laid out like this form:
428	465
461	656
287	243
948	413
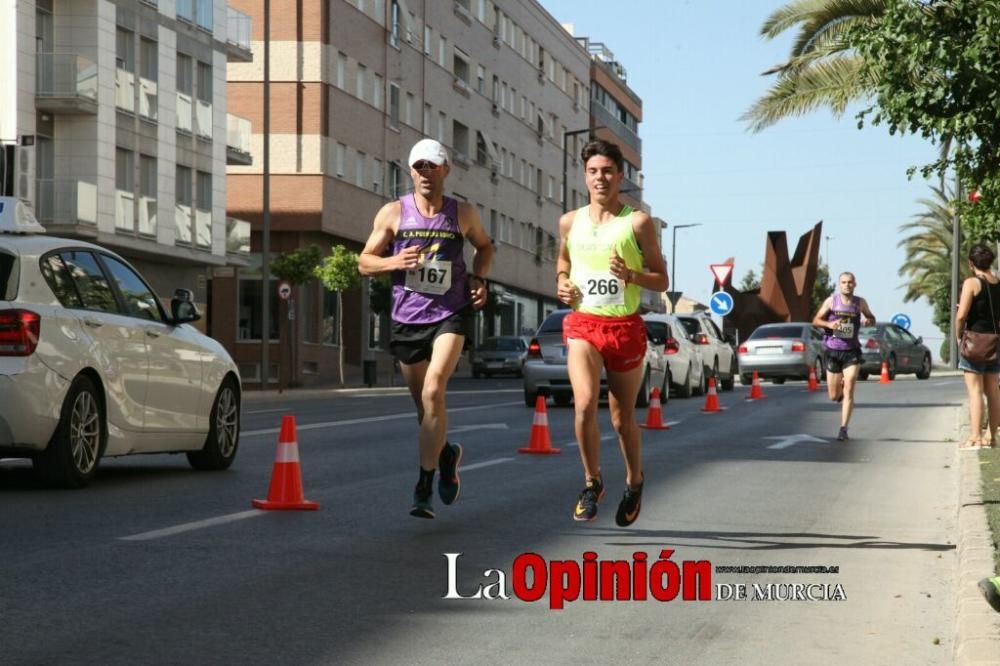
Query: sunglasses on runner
424	165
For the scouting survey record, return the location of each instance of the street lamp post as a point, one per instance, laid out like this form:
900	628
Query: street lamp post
565	183
673	264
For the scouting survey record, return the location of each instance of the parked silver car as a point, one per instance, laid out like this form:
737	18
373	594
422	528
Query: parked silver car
901	350
782	351
92	365
502	354
717	352
545	368
686	373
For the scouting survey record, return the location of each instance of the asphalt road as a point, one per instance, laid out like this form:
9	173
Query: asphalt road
156	563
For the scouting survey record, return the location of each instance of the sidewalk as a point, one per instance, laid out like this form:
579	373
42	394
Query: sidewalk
977	638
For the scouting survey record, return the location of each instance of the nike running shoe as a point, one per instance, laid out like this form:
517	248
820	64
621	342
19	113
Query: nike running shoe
628	508
842	435
422	507
586	505
449	484
990	587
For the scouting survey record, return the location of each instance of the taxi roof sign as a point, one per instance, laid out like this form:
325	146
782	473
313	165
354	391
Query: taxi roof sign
16	218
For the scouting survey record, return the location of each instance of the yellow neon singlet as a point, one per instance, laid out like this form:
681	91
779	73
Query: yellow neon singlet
590	248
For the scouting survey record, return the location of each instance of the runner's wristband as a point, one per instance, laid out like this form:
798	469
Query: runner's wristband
478	277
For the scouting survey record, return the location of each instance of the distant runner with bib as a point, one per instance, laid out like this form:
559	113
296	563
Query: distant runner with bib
433	298
608	252
840	315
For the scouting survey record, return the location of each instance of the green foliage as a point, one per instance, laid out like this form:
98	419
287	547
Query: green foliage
937	71
750	281
339	270
822	287
821	69
380	297
297	266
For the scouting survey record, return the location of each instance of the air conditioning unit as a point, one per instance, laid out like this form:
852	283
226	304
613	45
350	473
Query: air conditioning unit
539	199
496	40
494	177
496	109
541	76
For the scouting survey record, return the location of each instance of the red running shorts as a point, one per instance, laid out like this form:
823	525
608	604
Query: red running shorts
620	340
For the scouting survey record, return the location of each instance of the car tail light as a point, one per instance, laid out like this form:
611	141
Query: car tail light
534	349
798	346
872	344
742	349
671	346
702	339
19	332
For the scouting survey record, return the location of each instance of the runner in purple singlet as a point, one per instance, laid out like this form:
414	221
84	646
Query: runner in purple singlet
841	314
419	239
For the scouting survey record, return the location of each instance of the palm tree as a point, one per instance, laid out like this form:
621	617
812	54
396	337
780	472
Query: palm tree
821	70
928	246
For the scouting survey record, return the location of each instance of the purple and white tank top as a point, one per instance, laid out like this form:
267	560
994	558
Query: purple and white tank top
436	289
849	314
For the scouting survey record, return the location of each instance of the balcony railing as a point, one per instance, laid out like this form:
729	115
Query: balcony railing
237	236
184	112
238	35
182	220
124	210
609	120
65	202
65	83
203	227
147	98
238	140
147	215
124	90
203	119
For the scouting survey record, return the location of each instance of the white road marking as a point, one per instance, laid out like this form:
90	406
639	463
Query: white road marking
265	411
485	463
371	419
197	525
481	426
788	440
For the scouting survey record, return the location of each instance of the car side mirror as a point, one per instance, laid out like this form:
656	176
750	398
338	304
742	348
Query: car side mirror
182	307
920	340
730	338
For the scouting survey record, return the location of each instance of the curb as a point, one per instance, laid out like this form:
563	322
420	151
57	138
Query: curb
977	627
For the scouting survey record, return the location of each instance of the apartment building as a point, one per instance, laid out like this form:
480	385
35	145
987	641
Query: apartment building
114	129
353	85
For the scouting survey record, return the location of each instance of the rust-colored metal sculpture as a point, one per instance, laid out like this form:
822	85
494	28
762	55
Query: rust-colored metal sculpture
785	292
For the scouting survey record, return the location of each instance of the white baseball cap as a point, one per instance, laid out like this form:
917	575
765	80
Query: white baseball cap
430	150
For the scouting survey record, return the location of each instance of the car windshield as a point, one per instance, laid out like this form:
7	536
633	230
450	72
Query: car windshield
766	332
501	344
868	330
8	276
690	325
553	323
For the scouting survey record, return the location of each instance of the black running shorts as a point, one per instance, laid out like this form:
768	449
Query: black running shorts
837	359
412	343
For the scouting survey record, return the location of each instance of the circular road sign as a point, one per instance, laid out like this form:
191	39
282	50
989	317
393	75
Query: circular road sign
901	320
284	290
721	303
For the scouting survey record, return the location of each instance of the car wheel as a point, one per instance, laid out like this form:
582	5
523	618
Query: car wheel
71	458
223	430
665	389
778	380
892	367
562	399
530	398
730	383
820	371
685	389
925	368
746	380
863	376
642	400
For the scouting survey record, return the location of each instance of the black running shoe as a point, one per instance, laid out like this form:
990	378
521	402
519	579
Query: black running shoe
449	484
586	505
842	435
628	508
990	587
422	507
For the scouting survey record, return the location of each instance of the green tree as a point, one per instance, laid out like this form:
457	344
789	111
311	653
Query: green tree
822	68
339	272
823	286
296	267
937	71
750	281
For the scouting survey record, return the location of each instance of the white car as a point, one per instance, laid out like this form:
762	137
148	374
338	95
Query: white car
91	365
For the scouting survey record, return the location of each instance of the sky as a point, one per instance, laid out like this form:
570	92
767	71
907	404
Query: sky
697	67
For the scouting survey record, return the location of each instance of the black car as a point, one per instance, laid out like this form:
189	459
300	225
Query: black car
901	351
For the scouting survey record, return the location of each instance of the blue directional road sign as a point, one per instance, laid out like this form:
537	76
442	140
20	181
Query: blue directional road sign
901	320
721	303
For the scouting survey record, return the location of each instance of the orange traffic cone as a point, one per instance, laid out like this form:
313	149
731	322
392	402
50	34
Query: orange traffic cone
285	492
541	443
813	384
712	399
654	419
884	379
756	393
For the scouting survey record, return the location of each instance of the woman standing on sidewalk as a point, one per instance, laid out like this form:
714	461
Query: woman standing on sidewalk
977	311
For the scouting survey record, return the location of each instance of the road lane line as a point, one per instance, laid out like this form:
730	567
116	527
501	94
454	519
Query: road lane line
197	525
265	411
485	463
372	419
